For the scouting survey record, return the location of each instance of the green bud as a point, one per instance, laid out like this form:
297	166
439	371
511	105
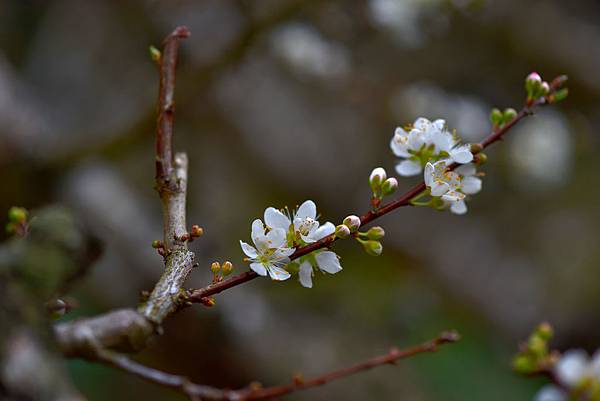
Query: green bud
342	231
544	331
154	54
496	117
17	215
10	228
481	158
227	268
559	95
157	244
523	364
215	267
352	222
375	233
509	115
537	345
373	248
389	186
533	83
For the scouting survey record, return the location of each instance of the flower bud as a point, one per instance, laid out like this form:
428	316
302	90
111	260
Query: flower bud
352	222
533	83
157	244
196	231
375	233
373	248
481	158
496	117
545	331
154	54
377	177
342	231
558	82
389	186
215	267
559	95
227	268
544	89
509	115
476	148
17	214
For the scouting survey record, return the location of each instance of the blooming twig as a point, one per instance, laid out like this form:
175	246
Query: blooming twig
497	134
255	391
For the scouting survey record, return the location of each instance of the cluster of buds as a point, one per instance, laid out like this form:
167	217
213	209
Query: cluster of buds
535	87
349	226
534	355
381	186
553	92
370	240
499	118
220	271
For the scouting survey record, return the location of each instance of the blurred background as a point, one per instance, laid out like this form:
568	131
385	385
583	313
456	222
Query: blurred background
279	101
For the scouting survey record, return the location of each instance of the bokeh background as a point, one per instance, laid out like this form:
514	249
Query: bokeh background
279	101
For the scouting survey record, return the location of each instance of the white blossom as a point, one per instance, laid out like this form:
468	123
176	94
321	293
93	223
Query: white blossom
427	142
302	227
452	186
575	366
550	392
270	253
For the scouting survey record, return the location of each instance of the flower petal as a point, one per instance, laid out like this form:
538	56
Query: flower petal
421	123
275	219
259	268
276	238
305	274
439	188
442	140
466	170
278	273
571	367
324	231
428	174
249	250
459	207
328	261
452	196
462	154
258	229
399	143
471	185
307	209
407	168
550	392
281	254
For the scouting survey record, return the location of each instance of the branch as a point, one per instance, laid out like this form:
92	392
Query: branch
255	391
198	295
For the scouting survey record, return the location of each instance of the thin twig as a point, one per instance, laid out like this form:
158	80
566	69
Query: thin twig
255	391
197	295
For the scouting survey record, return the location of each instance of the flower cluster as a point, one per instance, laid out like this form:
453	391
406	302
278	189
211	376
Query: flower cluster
575	373
277	239
427	142
452	187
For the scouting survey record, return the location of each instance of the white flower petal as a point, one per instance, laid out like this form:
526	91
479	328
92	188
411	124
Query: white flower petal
428	175
462	154
442	140
466	170
471	185
249	250
281	254
415	139
328	262
258	229
399	144
407	168
421	123
278	273
259	268
309	239
324	231
452	196
439	188
459	207
550	392
276	238
275	219
439	124
305	274
571	367
307	209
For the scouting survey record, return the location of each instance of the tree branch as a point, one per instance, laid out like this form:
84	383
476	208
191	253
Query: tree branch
255	391
197	295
